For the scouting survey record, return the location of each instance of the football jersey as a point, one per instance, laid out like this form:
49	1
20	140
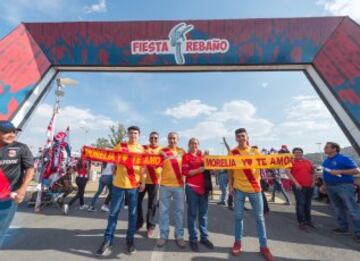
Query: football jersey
128	176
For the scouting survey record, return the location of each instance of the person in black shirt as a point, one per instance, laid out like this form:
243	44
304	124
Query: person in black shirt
16	172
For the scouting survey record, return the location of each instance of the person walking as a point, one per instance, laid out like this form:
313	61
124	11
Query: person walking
82	178
105	180
277	175
196	195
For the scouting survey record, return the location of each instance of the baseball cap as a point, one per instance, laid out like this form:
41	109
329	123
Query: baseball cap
7	126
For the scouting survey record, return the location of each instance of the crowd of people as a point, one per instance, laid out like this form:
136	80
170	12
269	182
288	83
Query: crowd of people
183	181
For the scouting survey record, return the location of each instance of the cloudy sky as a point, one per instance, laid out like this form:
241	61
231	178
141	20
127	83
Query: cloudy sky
276	107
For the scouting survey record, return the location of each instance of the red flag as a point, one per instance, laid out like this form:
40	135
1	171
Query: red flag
50	131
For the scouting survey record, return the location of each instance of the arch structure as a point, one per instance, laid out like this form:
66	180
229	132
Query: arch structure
326	49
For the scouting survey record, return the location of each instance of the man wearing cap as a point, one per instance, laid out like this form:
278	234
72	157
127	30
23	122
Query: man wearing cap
16	172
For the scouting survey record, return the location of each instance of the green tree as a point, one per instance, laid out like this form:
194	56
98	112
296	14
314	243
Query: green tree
102	143
117	134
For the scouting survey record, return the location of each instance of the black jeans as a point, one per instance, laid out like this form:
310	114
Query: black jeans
108	197
230	200
81	183
263	188
303	199
266	204
152	190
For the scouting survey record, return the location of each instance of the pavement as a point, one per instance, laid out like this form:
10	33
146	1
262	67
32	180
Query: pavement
49	235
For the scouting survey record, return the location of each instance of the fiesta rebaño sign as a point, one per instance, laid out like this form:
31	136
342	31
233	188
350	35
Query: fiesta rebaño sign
178	44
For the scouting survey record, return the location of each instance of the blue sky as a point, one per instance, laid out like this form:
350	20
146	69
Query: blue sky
278	108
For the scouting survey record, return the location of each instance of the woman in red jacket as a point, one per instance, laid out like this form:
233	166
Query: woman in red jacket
196	196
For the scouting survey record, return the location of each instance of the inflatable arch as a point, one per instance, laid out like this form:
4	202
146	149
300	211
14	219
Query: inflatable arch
326	49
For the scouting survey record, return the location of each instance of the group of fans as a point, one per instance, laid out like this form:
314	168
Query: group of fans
181	175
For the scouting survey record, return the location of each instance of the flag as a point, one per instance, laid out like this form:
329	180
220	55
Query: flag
50	131
45	163
67	140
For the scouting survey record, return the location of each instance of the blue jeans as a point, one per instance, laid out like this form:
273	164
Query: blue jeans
117	202
197	207
316	193
342	199
177	194
278	186
105	181
303	199
257	205
223	182
7	213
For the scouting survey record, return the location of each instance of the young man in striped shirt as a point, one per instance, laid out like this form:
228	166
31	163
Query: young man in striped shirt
246	183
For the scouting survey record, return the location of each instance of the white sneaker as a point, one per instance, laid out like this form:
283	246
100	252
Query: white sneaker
84	207
91	209
66	209
105	208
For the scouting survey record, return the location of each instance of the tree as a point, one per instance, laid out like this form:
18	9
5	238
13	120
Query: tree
117	134
102	143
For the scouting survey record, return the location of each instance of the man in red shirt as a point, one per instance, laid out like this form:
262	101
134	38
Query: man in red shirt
303	179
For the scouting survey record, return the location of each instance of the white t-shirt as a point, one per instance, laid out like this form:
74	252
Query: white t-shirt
108	170
282	173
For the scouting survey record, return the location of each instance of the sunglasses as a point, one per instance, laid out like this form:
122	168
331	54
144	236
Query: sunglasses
154	138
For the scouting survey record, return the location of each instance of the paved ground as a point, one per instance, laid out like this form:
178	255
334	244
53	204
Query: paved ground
51	236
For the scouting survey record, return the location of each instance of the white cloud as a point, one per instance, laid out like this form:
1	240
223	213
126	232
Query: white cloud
264	85
242	113
100	7
206	130
127	111
74	117
305	115
299	127
307	108
232	115
342	7
190	109
308	122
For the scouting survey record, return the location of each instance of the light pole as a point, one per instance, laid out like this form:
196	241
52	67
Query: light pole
59	92
320	152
